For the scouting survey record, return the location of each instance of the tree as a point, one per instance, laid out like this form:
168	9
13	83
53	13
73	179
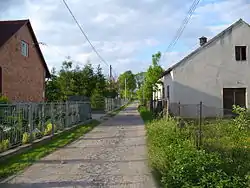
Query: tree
130	80
151	78
70	81
139	77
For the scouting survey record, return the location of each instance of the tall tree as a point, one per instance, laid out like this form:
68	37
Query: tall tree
139	77
129	78
151	78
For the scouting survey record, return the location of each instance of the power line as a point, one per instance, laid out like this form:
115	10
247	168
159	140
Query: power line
183	25
85	35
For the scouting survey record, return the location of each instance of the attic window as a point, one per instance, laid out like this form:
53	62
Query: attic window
24	48
240	53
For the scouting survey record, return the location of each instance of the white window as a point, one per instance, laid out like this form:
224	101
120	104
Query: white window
24	49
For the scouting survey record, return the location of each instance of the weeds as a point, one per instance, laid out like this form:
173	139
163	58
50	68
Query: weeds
222	161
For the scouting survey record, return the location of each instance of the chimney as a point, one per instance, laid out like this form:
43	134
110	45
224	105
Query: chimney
203	40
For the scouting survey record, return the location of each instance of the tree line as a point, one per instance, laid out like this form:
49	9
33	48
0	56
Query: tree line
85	81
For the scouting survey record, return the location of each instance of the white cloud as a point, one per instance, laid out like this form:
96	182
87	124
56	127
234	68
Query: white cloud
126	33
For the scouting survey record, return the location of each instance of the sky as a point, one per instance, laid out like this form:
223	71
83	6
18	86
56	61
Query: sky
125	32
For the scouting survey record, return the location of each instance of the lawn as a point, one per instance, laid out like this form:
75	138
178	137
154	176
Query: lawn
19	162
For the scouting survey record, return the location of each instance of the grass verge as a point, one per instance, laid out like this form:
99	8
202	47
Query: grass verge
19	162
146	115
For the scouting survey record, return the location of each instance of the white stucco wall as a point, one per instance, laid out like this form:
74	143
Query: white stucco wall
205	74
157	94
168	81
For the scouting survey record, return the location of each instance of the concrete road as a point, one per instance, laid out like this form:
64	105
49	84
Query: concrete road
111	155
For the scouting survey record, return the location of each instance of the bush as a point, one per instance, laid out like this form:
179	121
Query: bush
4	99
4	145
48	129
174	156
97	100
26	138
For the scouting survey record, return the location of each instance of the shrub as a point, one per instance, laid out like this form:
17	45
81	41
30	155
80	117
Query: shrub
174	156
4	99
4	145
26	138
48	129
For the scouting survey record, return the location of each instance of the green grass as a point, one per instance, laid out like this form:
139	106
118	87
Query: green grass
19	162
146	115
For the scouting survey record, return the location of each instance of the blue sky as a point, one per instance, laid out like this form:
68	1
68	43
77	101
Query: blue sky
125	32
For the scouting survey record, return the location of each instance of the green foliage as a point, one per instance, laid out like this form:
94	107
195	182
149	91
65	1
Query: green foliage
151	79
97	100
4	145
129	78
26	138
241	120
175	158
75	81
139	77
49	128
4	99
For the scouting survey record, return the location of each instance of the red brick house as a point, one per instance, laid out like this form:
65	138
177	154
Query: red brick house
23	69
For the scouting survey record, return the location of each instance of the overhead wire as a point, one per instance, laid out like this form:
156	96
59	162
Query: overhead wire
84	34
182	26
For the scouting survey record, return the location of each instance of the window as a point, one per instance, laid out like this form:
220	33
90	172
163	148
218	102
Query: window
240	53
24	48
167	92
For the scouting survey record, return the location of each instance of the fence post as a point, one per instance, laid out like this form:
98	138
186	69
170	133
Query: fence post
67	114
200	122
31	122
52	117
167	105
43	118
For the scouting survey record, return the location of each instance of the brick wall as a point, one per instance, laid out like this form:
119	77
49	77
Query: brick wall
23	77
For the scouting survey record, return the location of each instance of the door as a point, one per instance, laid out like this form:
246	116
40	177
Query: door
233	96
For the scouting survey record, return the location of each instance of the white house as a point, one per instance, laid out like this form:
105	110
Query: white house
217	73
158	89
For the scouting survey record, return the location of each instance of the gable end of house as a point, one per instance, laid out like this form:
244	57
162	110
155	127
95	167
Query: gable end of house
207	44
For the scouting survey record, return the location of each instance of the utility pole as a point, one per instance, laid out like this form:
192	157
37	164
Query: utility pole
110	77
125	88
110	72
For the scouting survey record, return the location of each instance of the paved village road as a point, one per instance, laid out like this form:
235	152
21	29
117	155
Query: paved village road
111	155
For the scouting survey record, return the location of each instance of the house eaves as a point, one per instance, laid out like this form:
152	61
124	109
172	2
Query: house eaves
11	27
214	39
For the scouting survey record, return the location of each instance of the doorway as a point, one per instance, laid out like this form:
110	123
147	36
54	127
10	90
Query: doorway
233	96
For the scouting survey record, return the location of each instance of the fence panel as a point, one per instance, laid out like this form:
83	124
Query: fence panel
22	123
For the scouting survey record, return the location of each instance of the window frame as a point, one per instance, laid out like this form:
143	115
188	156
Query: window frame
24	48
239	53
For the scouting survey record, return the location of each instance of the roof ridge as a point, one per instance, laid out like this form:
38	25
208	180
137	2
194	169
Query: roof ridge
206	44
13	21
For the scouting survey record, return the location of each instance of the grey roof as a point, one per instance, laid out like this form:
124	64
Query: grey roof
240	21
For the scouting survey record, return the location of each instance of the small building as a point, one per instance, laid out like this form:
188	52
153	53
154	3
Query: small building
23	69
216	74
